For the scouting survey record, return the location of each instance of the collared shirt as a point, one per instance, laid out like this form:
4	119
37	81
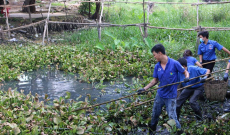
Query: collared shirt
168	76
193	71
208	51
191	61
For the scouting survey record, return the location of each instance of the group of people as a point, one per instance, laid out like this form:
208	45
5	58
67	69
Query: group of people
168	71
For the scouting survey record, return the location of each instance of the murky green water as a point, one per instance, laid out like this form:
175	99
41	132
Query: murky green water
56	83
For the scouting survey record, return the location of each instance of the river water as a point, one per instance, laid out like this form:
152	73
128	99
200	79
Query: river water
56	83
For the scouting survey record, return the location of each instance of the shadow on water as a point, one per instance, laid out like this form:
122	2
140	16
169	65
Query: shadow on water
56	83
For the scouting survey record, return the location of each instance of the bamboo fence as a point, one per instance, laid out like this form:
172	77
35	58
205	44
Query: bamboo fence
145	25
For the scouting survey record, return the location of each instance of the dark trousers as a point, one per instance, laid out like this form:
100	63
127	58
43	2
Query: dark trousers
209	66
195	94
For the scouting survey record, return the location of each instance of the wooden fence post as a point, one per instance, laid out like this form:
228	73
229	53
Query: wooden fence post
198	39
1	33
89	9
7	21
199	28
145	28
99	27
46	25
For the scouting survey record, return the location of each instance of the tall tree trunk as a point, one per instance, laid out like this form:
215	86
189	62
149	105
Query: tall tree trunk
32	8
96	14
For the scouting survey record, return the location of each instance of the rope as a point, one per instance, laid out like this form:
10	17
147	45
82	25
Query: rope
144	91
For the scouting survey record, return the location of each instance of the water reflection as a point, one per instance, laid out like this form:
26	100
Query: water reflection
56	83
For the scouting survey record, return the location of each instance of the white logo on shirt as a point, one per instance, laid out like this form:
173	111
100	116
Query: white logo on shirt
159	69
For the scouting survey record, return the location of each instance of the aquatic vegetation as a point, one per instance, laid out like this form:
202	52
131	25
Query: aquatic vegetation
91	64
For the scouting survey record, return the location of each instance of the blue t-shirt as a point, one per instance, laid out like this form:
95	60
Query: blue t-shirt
228	60
194	71
191	61
168	76
208	51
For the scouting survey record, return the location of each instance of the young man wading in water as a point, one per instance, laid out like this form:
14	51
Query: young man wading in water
165	72
193	92
206	50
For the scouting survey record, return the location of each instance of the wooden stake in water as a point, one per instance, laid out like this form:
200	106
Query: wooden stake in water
99	27
46	25
7	22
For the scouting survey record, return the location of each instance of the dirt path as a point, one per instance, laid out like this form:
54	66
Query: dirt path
37	15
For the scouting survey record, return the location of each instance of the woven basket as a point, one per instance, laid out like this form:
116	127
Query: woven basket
215	90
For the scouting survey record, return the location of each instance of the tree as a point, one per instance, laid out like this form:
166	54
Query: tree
31	9
96	14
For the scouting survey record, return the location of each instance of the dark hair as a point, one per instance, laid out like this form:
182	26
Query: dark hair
158	48
204	34
187	53
183	61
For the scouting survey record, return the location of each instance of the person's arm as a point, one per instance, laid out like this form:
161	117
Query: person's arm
201	57
226	72
208	72
198	64
203	79
151	84
228	66
186	74
226	50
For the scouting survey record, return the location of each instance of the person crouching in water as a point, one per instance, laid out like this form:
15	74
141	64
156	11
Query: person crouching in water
194	92
191	61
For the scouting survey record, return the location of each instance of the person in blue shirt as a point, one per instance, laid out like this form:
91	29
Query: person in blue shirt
195	91
206	50
191	61
165	72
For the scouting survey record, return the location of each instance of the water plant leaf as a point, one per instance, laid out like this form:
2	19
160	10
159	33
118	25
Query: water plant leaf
29	118
16	130
68	95
57	119
171	122
80	130
108	129
100	46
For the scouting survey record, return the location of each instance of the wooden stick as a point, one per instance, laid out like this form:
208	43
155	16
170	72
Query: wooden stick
46	25
198	39
89	9
146	91
1	33
171	28
128	108
141	32
22	27
145	32
65	11
148	10
7	21
99	28
197	14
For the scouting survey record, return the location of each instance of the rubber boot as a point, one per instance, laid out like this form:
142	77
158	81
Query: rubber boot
152	129
198	115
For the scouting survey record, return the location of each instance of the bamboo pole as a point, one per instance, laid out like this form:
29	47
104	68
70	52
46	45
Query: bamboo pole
1	33
99	26
89	9
197	21
7	21
65	10
147	91
46	25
